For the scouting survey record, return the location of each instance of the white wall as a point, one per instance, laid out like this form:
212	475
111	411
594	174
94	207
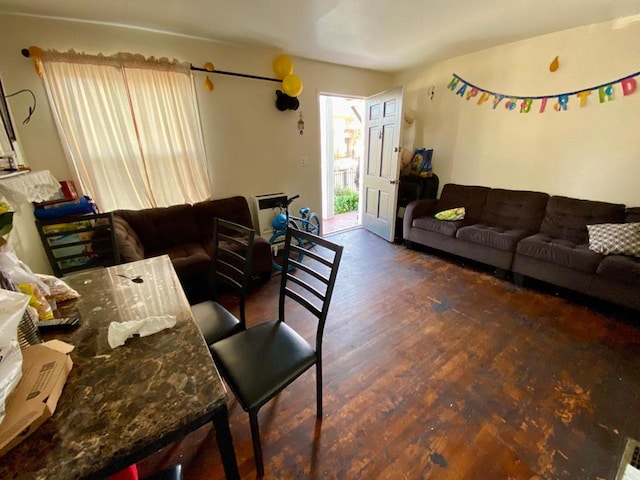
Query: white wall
252	148
591	152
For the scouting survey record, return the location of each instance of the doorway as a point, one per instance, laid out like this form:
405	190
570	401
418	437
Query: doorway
342	147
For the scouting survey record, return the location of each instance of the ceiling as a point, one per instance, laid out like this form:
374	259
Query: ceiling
376	34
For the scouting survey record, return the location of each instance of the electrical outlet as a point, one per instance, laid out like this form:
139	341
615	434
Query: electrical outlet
304	161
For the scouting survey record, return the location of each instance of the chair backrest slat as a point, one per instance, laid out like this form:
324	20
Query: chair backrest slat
301	266
307	287
314	265
232	258
309	253
303	301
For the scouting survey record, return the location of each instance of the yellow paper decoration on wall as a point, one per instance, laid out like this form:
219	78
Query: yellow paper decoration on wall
282	66
292	85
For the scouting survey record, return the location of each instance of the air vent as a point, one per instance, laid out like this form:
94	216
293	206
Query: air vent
629	468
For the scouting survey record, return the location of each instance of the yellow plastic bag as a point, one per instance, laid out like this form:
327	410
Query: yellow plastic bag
37	300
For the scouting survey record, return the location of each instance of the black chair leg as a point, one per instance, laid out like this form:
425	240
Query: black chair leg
319	389
257	447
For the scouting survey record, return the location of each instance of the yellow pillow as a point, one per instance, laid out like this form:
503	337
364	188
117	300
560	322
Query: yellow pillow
451	214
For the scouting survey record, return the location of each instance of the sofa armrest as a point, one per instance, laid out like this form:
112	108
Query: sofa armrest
128	242
416	209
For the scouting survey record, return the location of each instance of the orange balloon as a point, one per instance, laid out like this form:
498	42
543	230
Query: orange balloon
208	84
282	66
208	66
292	85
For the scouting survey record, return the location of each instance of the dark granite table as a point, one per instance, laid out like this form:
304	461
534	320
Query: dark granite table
119	405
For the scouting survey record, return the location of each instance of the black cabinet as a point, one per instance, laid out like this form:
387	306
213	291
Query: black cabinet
413	187
78	242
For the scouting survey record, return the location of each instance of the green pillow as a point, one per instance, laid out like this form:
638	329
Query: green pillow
451	214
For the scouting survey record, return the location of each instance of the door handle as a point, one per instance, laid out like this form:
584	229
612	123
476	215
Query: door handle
394	182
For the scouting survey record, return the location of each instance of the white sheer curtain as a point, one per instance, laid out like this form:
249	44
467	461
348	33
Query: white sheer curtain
130	128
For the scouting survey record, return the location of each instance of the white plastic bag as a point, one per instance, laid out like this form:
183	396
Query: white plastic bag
12	307
18	271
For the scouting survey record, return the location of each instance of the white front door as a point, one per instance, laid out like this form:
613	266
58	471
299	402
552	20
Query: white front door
381	167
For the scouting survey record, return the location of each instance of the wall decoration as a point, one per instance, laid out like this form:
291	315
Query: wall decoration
292	85
606	92
286	102
282	67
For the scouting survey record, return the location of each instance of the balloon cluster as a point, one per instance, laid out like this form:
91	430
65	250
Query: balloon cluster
291	84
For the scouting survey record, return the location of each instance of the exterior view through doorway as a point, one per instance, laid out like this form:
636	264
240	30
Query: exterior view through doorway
342	147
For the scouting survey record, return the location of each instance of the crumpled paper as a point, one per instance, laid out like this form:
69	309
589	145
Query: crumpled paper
119	332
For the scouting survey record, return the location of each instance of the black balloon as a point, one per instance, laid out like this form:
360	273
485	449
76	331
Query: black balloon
285	102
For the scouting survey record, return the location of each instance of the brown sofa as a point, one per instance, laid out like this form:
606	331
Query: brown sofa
185	233
531	235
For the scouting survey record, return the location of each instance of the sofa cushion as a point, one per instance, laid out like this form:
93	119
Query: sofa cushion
632	215
490	236
442	227
515	209
234	209
560	251
621	268
187	259
568	218
163	227
615	238
472	198
129	244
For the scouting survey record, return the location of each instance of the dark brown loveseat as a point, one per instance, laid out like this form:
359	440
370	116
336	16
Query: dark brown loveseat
532	235
185	233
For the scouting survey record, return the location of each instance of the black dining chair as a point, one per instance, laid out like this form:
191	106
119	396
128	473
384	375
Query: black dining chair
232	254
261	361
172	473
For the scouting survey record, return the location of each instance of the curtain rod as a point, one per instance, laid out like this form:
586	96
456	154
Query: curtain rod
235	74
25	53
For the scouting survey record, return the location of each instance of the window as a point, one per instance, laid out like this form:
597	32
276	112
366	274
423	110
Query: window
130	128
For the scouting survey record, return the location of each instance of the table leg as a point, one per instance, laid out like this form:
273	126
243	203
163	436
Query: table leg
225	443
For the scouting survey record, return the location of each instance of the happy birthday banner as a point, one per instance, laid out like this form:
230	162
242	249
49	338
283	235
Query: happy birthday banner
605	93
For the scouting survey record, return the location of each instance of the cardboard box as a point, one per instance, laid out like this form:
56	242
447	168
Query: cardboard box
45	368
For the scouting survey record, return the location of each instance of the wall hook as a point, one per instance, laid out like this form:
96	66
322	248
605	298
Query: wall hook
301	124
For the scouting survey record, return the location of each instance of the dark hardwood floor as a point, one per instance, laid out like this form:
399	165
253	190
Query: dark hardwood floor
439	370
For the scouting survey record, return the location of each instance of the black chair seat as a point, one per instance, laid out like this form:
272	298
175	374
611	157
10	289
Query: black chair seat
215	321
259	362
